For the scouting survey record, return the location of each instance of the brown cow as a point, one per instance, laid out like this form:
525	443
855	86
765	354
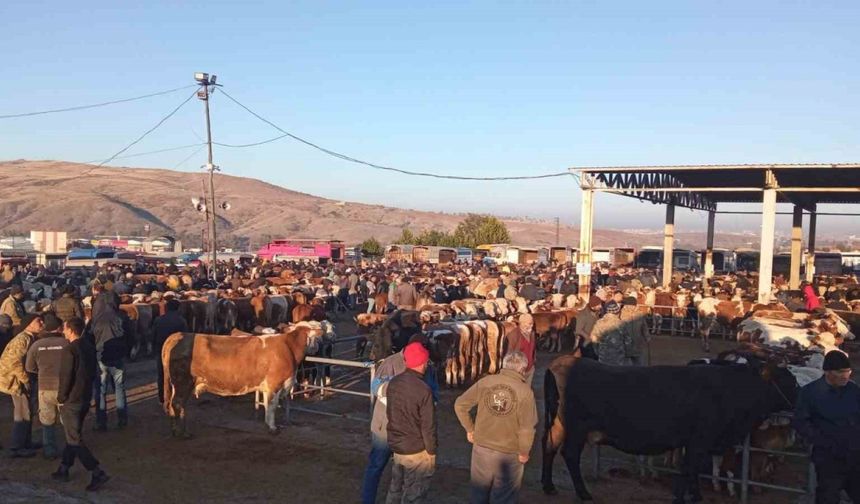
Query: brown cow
551	325
366	323
307	312
197	363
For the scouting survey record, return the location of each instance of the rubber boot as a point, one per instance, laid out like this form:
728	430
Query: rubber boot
101	421
19	441
61	474
49	442
29	441
98	480
122	416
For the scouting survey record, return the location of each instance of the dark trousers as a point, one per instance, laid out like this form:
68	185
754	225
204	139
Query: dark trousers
379	456
835	475
72	417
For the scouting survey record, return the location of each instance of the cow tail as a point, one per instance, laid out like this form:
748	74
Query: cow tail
551	399
168	391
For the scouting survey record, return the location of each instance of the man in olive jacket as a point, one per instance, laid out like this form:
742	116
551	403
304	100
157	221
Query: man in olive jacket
502	431
15	381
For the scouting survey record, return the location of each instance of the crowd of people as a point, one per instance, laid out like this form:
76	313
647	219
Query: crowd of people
55	362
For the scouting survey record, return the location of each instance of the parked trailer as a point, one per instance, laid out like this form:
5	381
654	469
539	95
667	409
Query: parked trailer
746	260
851	261
420	254
682	259
563	255
440	255
723	260
465	254
828	263
398	252
623	256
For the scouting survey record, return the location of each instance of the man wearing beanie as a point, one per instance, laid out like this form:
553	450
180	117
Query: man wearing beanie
611	337
43	359
411	429
828	416
12	305
502	431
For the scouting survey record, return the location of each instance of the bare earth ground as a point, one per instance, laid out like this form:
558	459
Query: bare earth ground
314	459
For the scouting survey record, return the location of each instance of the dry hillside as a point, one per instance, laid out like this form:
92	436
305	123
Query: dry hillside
86	200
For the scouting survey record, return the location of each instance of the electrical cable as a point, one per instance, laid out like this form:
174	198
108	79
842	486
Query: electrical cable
95	105
200	148
147	132
147	153
376	166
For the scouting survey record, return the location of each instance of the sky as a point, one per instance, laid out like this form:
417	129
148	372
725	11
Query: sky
466	88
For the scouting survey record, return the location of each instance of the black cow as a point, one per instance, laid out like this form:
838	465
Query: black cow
652	410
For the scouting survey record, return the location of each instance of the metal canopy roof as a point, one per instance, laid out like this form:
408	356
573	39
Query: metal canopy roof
703	186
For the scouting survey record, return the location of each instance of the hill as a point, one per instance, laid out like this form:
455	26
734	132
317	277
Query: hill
86	200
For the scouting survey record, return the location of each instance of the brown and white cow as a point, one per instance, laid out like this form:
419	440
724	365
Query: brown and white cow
232	366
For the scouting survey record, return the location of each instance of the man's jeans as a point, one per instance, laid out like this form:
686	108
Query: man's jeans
379	456
496	477
107	374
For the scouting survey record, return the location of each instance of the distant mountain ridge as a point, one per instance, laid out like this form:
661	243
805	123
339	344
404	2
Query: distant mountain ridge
86	200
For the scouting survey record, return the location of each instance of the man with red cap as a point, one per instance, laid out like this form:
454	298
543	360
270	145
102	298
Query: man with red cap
380	453
411	429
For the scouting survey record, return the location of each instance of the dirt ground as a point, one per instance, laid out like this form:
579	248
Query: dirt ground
314	459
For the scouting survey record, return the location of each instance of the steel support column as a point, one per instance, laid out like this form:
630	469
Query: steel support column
709	249
668	244
810	254
768	224
585	233
796	247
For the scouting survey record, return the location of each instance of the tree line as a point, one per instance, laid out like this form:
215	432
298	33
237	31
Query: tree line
472	231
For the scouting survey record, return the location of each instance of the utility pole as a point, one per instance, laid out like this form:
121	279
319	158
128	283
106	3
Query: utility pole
204	80
556	230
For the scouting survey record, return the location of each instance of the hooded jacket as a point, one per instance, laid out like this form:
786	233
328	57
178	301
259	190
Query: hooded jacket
106	328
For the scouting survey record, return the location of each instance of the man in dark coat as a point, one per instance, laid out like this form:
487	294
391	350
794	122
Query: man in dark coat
77	373
828	416
106	328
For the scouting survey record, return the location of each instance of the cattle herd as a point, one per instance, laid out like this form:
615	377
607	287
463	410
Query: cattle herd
251	331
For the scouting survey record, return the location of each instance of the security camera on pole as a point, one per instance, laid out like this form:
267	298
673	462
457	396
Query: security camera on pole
205	82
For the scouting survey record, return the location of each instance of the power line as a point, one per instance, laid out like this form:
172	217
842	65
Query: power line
147	153
376	166
94	105
147	132
199	148
239	146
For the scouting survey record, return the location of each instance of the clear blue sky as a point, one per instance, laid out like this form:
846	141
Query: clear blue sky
478	88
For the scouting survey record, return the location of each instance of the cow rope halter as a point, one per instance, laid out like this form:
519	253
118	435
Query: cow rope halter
782	394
